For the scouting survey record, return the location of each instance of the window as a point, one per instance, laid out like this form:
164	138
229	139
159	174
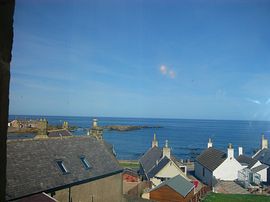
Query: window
61	166
183	169
85	163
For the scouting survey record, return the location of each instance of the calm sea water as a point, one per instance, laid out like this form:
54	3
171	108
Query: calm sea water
187	137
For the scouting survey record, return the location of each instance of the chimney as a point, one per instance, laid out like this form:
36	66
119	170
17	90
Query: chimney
154	141
65	125
209	144
240	151
94	124
230	154
96	131
264	142
43	127
166	150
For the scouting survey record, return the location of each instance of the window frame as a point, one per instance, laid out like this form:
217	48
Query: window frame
85	162
61	166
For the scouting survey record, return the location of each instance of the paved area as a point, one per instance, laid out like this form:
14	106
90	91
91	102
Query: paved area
229	187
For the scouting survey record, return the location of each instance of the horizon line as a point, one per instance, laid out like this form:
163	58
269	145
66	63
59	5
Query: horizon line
123	117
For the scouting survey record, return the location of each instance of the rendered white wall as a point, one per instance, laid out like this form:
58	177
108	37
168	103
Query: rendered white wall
263	174
170	170
228	170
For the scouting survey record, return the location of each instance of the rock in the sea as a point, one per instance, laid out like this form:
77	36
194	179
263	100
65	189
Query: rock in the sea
127	128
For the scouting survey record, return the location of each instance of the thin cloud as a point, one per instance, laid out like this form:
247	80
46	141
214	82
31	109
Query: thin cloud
172	74
167	72
267	101
163	69
254	101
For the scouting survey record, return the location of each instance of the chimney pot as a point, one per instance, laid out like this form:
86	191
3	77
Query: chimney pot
240	151
209	144
230	152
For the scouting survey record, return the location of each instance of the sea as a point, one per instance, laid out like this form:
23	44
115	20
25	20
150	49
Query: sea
186	137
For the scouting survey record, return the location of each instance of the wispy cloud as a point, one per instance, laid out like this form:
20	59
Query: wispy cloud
254	101
172	74
167	71
163	69
267	101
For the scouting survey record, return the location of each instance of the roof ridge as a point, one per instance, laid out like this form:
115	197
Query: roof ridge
148	151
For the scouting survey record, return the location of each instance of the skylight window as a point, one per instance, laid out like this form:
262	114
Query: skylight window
62	167
85	163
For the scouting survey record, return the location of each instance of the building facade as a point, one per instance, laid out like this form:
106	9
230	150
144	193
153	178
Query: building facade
68	169
212	165
158	165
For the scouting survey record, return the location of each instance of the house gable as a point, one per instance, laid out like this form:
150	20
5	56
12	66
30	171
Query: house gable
170	170
228	170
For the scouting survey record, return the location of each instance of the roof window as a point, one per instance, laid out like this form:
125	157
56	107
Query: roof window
62	167
85	163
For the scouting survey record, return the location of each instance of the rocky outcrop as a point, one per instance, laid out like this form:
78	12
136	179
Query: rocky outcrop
127	128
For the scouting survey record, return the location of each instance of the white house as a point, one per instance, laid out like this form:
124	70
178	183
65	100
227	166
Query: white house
212	165
263	156
158	165
255	166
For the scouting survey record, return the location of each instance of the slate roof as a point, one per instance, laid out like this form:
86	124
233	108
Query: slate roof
246	160
179	164
161	164
32	167
109	147
152	161
149	159
41	197
130	172
211	158
263	156
59	133
259	168
177	183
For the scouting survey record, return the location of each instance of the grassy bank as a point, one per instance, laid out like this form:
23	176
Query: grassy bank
214	197
133	164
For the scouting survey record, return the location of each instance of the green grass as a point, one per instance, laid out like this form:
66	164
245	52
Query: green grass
132	165
214	197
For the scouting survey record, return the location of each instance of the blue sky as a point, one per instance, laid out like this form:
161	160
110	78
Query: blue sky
174	59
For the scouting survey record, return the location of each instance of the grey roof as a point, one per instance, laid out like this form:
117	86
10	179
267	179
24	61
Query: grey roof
109	147
246	160
59	133
211	158
41	197
161	164
149	159
130	171
177	183
178	163
263	156
259	168
32	167
152	161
